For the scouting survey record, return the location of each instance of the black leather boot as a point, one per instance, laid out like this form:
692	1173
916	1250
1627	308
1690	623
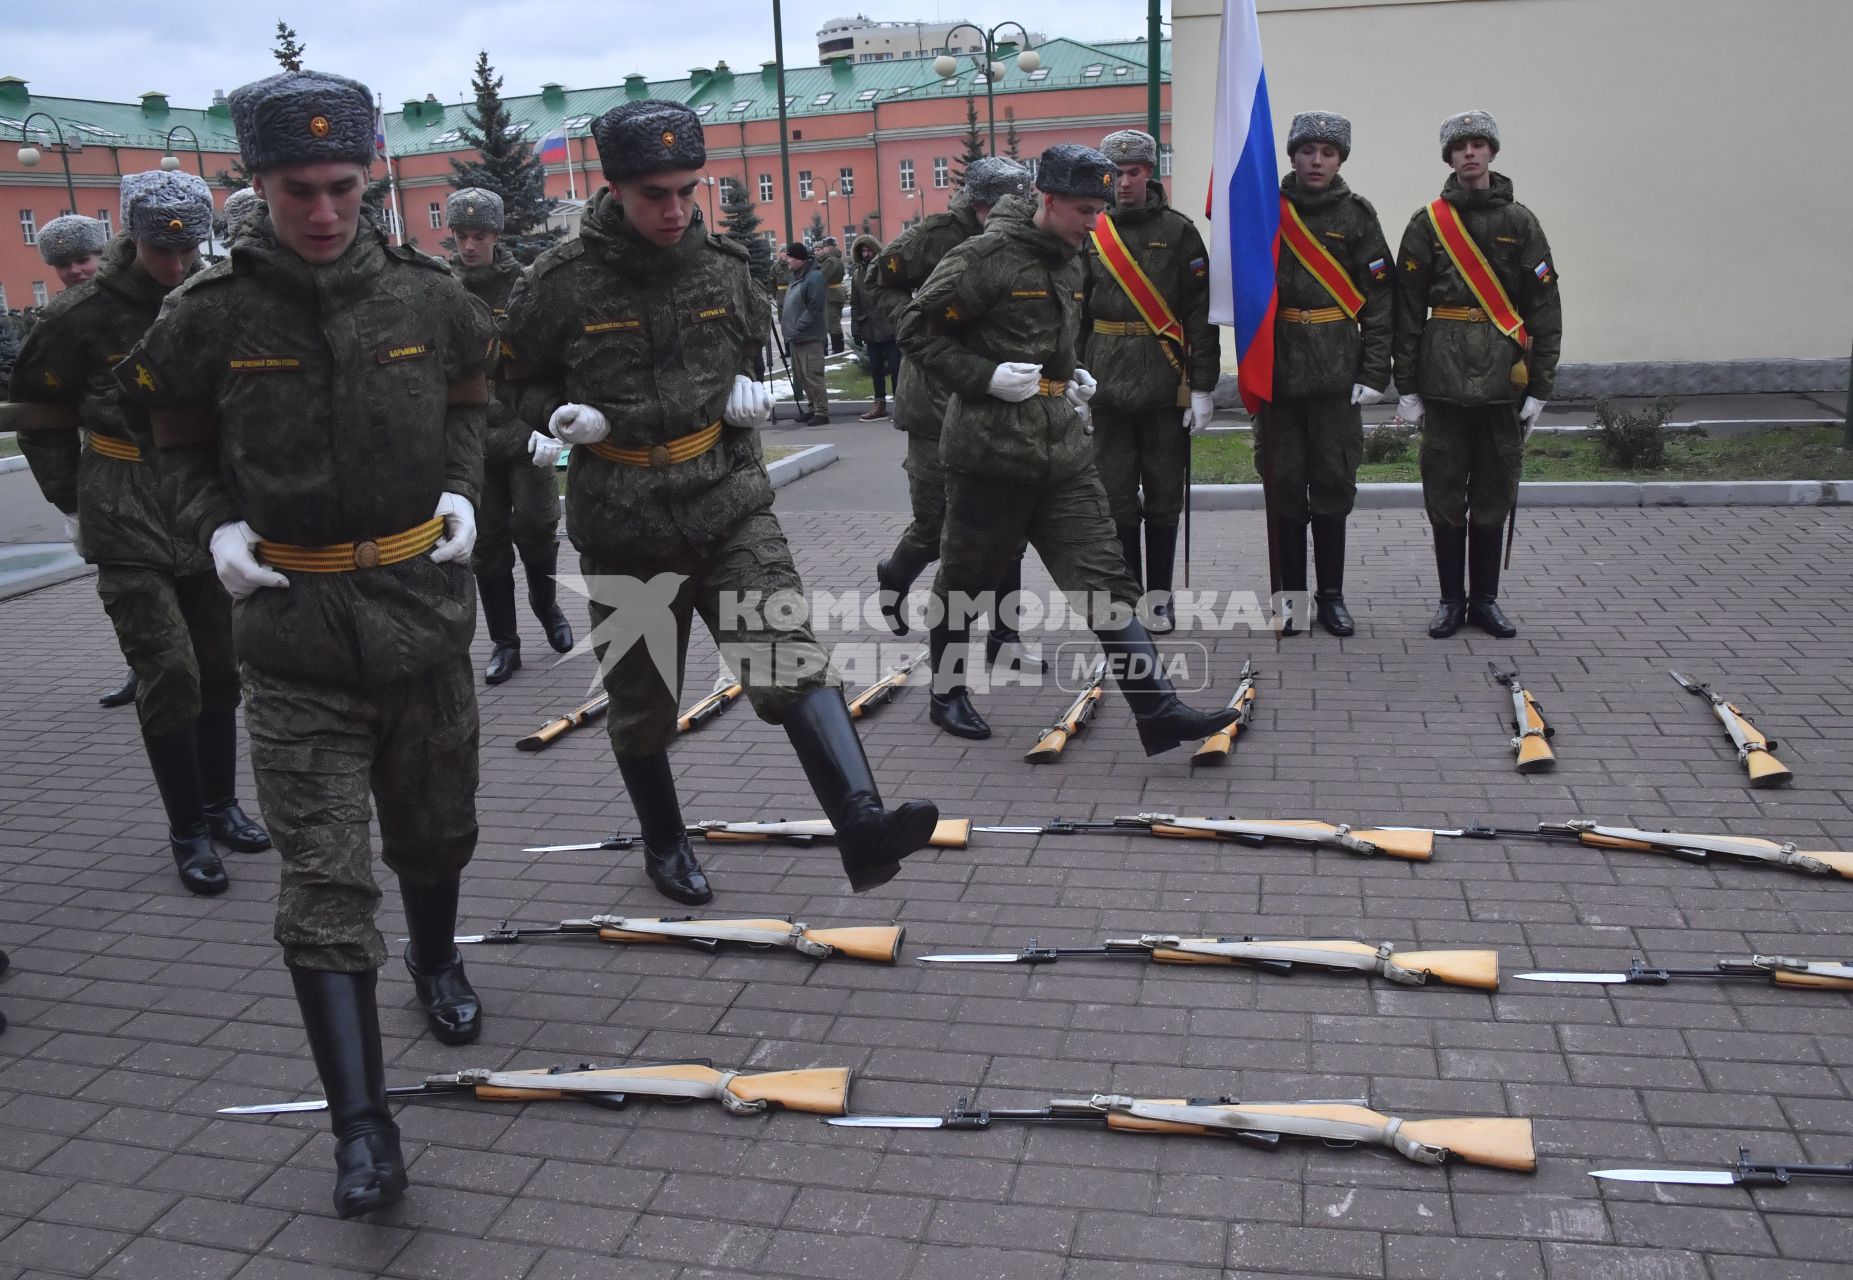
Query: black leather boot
952	710
1160	560
1004	641
215	736
452	1009
870	840
1329	565
343	1022
1129	547
1290	546
1164	722
174	758
544	598
497	592
123	694
1483	582
667	858
895	576
1451	569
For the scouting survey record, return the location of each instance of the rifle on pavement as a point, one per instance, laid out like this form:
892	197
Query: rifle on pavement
1783	971
1753	749
950	833
583	714
1528	724
1680	844
884	689
1415	843
1496	1141
1478	969
819	1090
1218	745
709	707
1745	1173
1054	741
880	943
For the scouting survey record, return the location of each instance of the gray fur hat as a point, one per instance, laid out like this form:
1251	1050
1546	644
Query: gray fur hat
1130	146
473	209
166	210
64	240
241	206
303	117
1320	126
1070	169
990	179
1469	124
648	136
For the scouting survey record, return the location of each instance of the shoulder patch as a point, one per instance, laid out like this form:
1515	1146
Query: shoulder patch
1369	208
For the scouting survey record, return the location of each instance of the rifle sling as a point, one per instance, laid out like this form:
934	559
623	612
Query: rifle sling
1384	1131
1752	850
1324	954
714	1090
720	931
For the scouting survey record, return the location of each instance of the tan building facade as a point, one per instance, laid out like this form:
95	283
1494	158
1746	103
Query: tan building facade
1688	159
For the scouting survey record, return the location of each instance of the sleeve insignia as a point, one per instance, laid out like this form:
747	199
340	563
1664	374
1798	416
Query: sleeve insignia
144	377
52	380
952	313
1409	264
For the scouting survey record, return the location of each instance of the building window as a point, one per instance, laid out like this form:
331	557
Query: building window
1164	160
846	180
740	107
29	226
103	217
39	296
437	216
765	188
1092	72
907	175
823	99
704	109
942	172
804	184
1040	73
2	297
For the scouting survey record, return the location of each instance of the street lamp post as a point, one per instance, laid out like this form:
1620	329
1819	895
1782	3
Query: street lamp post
825	202
1027	60
171	162
29	154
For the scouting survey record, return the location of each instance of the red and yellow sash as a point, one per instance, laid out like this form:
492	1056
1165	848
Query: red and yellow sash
1477	272
1318	259
1130	277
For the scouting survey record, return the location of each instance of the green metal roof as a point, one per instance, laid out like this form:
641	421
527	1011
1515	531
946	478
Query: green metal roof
113	124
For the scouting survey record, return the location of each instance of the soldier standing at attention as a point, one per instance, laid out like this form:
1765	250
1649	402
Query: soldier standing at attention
1147	337
830	266
1479	326
520	507
801	319
920	398
997	324
873	330
644	326
173	622
1331	355
320	399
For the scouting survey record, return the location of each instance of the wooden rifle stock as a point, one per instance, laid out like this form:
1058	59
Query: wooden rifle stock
1054	741
1789	978
1217	746
817	1090
1497	1141
1417	846
708	708
880	943
883	690
1477	969
583	714
948	833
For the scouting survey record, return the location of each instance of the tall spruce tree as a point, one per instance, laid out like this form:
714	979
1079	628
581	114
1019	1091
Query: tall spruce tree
973	142
742	223
288	52
815	233
1012	143
508	166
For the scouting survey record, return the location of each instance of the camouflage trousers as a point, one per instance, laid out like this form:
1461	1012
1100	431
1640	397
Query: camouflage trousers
1143	456
176	633
1471	458
519	509
1309	450
926	494
326	757
770	648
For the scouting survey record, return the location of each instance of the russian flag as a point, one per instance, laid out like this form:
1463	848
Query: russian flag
553	146
1245	198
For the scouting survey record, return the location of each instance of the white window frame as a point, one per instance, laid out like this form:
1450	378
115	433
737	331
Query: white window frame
102	217
437	215
846	180
1164	159
2	297
765	188
39	296
806	185
907	175
942	173
29	226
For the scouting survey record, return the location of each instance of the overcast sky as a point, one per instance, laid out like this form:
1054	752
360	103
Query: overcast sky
116	49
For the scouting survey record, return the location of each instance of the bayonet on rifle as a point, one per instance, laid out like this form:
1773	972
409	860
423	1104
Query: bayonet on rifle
949	833
1745	1173
880	943
1049	746
1496	1141
1753	749
1218	745
1693	848
709	707
583	714
1784	971
1530	730
884	689
1277	955
819	1090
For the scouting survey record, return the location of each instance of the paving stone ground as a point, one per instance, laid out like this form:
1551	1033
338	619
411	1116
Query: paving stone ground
137	1010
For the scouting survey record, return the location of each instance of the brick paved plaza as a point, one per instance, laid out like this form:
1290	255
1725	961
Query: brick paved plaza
137	1009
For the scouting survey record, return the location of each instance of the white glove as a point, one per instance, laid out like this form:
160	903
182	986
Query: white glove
749	404
459	526
1361	394
578	424
1528	414
239	572
1081	388
72	532
1409	409
1014	382
1202	409
543	451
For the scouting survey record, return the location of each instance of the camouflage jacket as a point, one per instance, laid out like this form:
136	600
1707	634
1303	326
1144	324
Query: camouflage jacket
506	439
1011	294
867	322
830	266
1472	363
1328	359
326	405
652	338
900	269
128	515
1136	372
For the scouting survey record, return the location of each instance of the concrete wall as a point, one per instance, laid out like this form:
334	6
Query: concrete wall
1689	159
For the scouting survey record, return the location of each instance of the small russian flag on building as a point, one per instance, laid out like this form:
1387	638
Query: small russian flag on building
553	146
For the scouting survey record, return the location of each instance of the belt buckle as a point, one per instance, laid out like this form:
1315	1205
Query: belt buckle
1475	314
659	455
367	554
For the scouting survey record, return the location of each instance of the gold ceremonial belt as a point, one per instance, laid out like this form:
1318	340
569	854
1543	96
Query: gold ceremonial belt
1321	315
1122	328
681	449
111	447
1050	387
345	557
1472	315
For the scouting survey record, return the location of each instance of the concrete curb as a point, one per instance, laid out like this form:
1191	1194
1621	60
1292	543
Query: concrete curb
29	566
1593	493
801	464
14	463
